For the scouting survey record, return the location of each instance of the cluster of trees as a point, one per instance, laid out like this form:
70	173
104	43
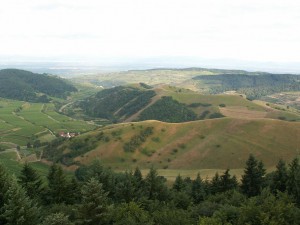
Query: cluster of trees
137	140
108	102
24	85
97	195
136	104
167	109
253	86
198	104
55	150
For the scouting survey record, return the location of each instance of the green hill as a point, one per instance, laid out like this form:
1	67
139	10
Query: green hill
28	86
168	110
209	144
172	104
117	103
253	86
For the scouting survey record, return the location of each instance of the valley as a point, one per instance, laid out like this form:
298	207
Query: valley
191	131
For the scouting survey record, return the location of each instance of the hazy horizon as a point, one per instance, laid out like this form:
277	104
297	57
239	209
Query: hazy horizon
250	35
60	67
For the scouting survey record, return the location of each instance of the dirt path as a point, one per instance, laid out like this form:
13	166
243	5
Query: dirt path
64	106
242	113
153	100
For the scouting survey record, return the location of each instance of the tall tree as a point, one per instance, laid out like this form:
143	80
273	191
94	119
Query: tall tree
253	178
227	182
30	181
179	184
104	175
58	185
138	175
4	186
215	185
93	209
293	182
280	177
198	191
126	188
155	186
19	209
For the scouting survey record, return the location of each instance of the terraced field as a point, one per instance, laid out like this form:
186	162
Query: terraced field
20	121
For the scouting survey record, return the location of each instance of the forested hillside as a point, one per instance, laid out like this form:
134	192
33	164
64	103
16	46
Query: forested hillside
28	86
116	103
168	110
253	86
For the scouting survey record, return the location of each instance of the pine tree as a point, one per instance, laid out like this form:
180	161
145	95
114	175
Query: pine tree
126	189
19	209
93	208
74	191
57	219
293	182
215	185
179	184
138	175
252	180
58	185
227	182
4	186
155	186
30	181
139	182
280	177
198	192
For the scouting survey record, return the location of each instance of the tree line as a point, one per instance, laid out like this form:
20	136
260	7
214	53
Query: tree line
96	195
253	86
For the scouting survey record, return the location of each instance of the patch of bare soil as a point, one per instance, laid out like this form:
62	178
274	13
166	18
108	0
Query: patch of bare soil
242	113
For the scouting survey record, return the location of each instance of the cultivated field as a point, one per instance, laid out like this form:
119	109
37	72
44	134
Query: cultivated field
22	122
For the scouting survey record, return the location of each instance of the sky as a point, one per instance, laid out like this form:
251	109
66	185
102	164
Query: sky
252	31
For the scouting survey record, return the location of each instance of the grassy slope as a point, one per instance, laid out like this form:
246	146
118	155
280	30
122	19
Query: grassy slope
210	144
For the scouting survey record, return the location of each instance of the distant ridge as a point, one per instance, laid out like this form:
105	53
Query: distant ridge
27	86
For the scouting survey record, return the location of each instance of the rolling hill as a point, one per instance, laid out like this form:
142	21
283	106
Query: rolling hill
253	86
169	76
172	104
27	86
209	144
117	103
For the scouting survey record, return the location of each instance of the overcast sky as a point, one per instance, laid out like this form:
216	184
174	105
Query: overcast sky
250	30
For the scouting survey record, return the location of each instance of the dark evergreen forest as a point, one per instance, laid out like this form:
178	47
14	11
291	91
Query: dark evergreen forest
96	195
